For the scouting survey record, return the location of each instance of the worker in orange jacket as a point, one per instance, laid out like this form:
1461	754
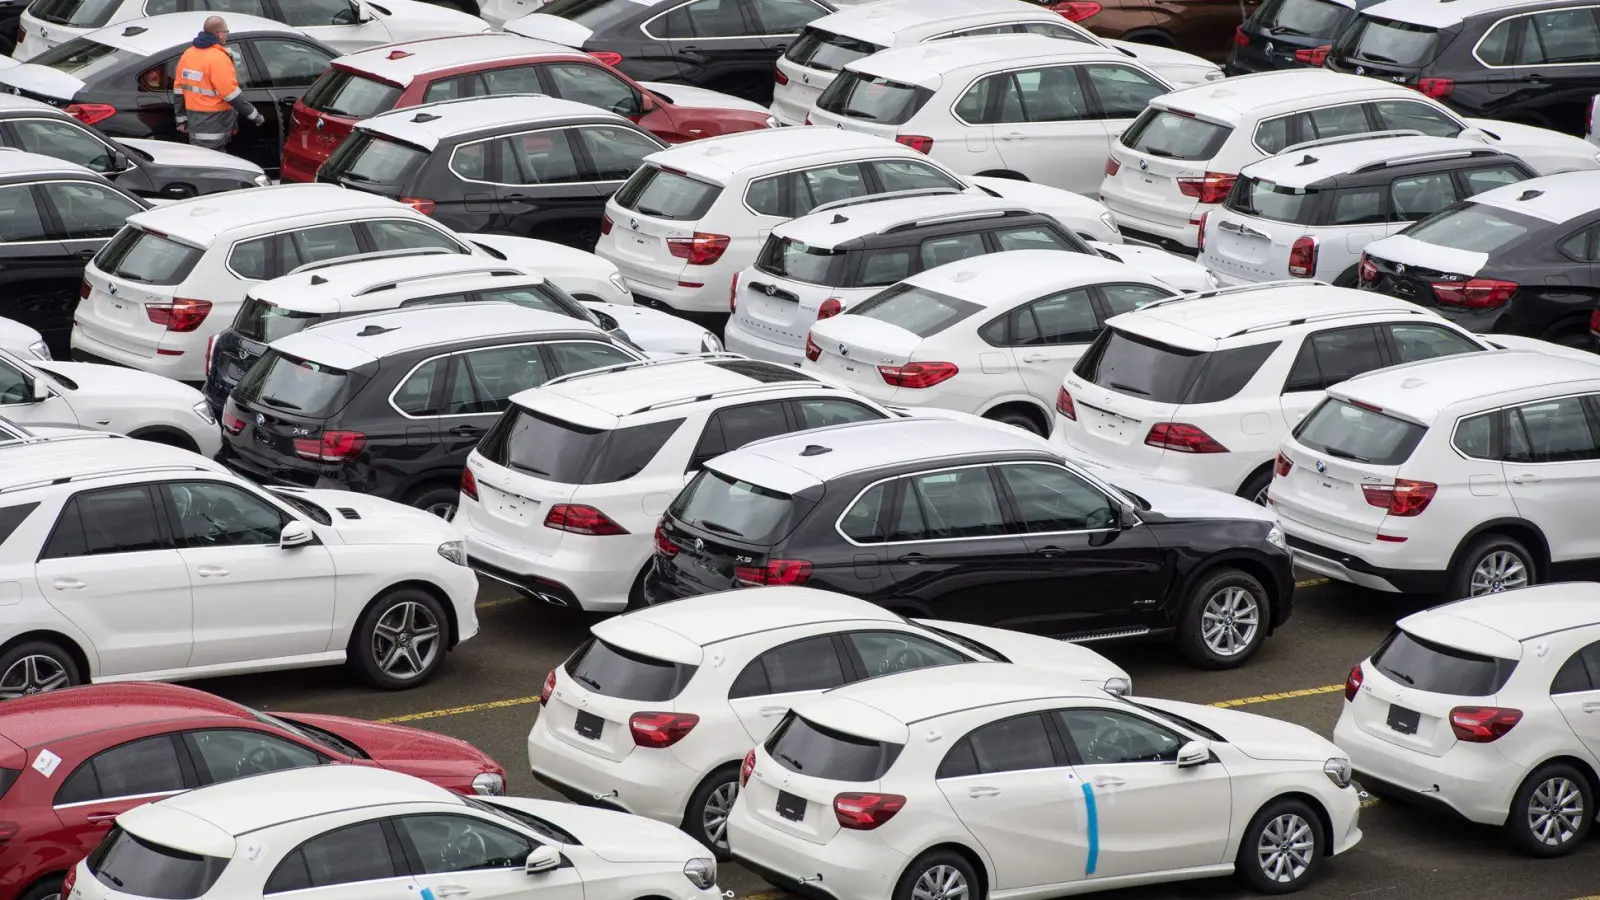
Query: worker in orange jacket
205	90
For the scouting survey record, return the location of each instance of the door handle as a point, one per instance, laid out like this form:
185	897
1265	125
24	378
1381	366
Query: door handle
1526	478
211	571
1049	552
68	584
1109	781
1536	78
780	47
1012	136
774	710
100	818
466	431
451	890
1037	357
1591	707
86	254
982	791
913	559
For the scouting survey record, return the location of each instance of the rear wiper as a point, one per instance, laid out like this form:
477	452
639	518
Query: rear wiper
650	211
856	115
792	761
351	176
1129	388
1156	152
1345	454
279	402
1402	676
716	527
529	469
1376	58
589	681
1285	29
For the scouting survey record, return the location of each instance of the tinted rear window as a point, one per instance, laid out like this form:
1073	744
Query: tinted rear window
350	95
549	448
872	99
1161	132
791	259
298	386
717	503
806	747
1304	18
148	257
594	15
75	13
374	162
1347	431
666	194
131	865
8	777
1274	202
1390	43
10	518
828	52
1438	669
81	58
265	322
615	672
1140	367
1474	226
922	312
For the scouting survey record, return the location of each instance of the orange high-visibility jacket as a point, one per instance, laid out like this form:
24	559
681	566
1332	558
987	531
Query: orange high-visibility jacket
205	80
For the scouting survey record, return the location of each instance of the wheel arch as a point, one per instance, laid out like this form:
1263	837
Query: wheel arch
1521	529
73	648
1264	467
710	773
426	587
1251	565
166	434
1317	809
1030	407
979	864
428	479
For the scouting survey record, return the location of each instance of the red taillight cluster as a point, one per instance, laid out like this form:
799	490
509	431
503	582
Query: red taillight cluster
83	289
1403	499
180	315
1077	10
1182	438
1437	88
1594	323
91	113
1200	232
813	352
420	204
915	375
580	519
747	767
1282	466
1315	56
1213	187
864	812
1483	724
1353	683
1303	257
1240	39
664	544
549	687
1112	166
469	483
1476	293
605	223
830	307
661	729
1064	405
333	446
607	57
701	250
775	572
733	294
1366	270
779	78
231	423
918	142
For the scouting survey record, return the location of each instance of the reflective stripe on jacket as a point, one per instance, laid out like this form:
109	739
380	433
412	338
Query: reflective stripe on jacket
206	79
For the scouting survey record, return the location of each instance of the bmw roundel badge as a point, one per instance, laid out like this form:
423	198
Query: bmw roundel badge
699	545
1144	165
1322	467
261	419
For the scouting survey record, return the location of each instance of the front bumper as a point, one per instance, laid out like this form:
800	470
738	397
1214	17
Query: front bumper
646	782
1474	782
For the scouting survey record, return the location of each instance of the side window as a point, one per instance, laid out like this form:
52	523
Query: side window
313	13
886	652
1066	318
160	7
114	520
1009	745
317	244
956	247
1495	48
516	80
908	175
288	64
147	766
582	84
820	412
581	356
735	426
1032	237
1105	736
212	514
463	844
418	394
1580	673
63	140
1580	245
494	374
19	215
1333	121
1329	357
15	387
1480	180
811	664
1123	91
88	210
1394	115
1052	30
1273	134
1565	36
248	259
860	521
1474	437
814	187
765	196
1419	196
973	107
1121	298
348	855
1414	341
1050	499
471	161
614	150
945	505
1552	431
1358	206
979	32
1053	94
883	267
231	753
403	234
786	16
709	18
540	157
454	89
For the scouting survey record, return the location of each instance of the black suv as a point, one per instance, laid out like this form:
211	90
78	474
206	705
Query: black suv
967	522
391	403
1290	34
1537	63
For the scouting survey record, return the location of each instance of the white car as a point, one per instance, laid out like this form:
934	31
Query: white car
1461	476
20	340
821	264
729	666
142	562
694	214
998	781
1007	327
1311	210
1018	106
827	44
1180	158
338	831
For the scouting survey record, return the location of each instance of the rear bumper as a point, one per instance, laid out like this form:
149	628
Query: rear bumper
299	165
1347	565
739	339
853	865
1474	782
187	367
649	783
1224	472
257	470
582	573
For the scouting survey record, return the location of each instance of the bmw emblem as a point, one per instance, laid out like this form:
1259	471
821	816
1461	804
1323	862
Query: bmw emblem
1400	269
633	224
1360	70
1322	467
1144	164
320	123
1269	46
111	289
261	419
699	545
771	289
843	350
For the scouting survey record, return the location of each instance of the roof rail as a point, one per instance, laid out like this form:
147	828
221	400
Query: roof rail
737	392
393	283
102	473
1429	156
437	103
28	439
889	195
1342	314
956	217
1229	291
639	364
371	254
1350	138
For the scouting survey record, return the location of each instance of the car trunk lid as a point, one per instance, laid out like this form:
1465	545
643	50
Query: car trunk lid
1152	154
133	283
1432	665
635	667
1345	455
807	762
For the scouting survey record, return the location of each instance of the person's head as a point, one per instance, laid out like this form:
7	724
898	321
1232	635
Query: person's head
217	28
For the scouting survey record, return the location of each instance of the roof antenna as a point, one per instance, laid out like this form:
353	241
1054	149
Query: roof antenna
375	330
1307	161
132	30
838	219
815	450
419	118
1529	195
318	279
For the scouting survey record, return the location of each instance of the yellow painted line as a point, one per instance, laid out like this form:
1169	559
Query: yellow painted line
491	604
781	895
1310	582
1282	695
460	710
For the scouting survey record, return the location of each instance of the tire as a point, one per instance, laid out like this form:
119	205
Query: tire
1348	278
1017	419
706	817
1491	564
1236	607
35	667
439	499
407	613
44	889
938	866
1255	487
1551	812
1276	868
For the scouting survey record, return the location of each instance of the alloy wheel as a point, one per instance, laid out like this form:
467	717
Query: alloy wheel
1230	621
714	818
940	883
1499	571
1286	848
405	640
1555	811
33	674
445	510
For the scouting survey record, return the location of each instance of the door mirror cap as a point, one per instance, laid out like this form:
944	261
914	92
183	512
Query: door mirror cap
38	391
1127	518
543	859
296	534
1194	753
120	161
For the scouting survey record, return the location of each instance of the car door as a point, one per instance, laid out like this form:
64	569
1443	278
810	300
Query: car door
228	539
1576	692
62	139
1046	348
1558	65
19	396
771	683
116	780
355	861
1552	469
542	189
468	856
595	86
112	569
779	22
1120	94
83	215
1325	359
480	384
1417	341
39	276
282	70
341	24
718	47
611	153
1416	197
1150	815
1047	130
223	754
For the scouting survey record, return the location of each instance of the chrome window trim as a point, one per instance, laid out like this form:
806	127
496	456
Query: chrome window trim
450	166
644	27
227	262
1525	15
463	352
1456	428
119	798
1255	132
744	198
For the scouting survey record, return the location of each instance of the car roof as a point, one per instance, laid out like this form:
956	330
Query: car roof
48	462
431	123
1250	97
20	162
57	715
601	397
719	158
926	64
1200	320
1421	390
907	698
1001	279
341	343
1437	14
832	227
1561	198
329	289
710	618
200	220
163	32
1300	168
1543	609
882	22
400	63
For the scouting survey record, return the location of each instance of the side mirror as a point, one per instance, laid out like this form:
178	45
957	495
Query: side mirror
120	161
542	859
1127	518
1194	753
38	391
1474	134
296	534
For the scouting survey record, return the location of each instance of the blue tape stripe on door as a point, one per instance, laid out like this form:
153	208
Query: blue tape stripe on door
1094	829
427	894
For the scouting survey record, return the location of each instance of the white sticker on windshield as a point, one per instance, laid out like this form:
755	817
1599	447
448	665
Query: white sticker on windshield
46	763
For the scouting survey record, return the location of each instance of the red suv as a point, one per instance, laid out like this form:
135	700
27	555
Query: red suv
72	760
395	76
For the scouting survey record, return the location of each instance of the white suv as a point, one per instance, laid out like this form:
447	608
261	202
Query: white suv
829	43
1459	477
133	561
1181	156
1018	106
1202	389
695	214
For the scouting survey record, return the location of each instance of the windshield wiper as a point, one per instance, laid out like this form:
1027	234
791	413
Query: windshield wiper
1402	676
1377	58
651	211
1153	151
716	527
1344	454
1129	388
857	115
1285	29
279	402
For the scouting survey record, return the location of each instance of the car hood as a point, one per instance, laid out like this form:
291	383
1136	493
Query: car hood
653	331
613	836
1176	271
41	80
410	750
550	28
1184	501
699	98
1077	212
378	521
16	338
1518	342
1072	660
124	384
562	264
1546	151
1402	249
1182	69
1258	737
171	153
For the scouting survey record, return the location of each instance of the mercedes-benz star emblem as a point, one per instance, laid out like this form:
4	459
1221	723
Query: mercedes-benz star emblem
1144	164
261	419
771	289
1322	467
843	350
1269	46
699	545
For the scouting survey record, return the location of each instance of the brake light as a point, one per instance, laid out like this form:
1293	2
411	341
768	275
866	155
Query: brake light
1404	498
69	880
91	113
333	446
779	78
1200	235
830	307
549	687
918	142
775	572
605	223
84	289
1367	270
1064	405
581	519
1316	56
1478	293
211	344
864	812
664	544
1281	468
812	350
1112	166
607	57
1594	323
1353	683
1240	39
701	250
661	729
1213	187
747	767
231	423
419	204
1303	257
918	374
1437	88
180	315
1182	438
733	293
1077	10
1483	724
469	483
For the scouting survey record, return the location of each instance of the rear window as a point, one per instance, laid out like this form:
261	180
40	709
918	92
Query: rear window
298	386
10	518
615	672
147	257
8	777
786	258
265	322
803	746
351	95
826	51
594	15
1140	367
549	448
81	58
746	512
667	194
872	99
1389	42
75	13
1274	202
1438	669
1358	433
1304	18
374	161
1476	227
132	865
1161	132
922	312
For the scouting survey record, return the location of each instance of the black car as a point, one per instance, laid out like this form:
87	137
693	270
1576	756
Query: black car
119	79
1523	259
54	216
966	522
520	164
1537	63
730	46
391	403
1290	34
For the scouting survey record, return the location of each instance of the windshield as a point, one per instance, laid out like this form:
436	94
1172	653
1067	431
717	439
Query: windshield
374	162
1304	18
614	672
298	385
1438	669
527	820
1359	433
867	97
1174	135
80	57
340	92
1477	227
667	194
147	257
1162	373
826	51
739	509
1274	202
920	311
787	258
74	13
810	749
567	453
265	322
131	865
1387	41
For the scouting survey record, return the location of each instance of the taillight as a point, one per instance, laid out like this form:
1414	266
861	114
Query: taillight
420	204
917	374
747	767
1282	466
1112	166
830	307
1367	270
1437	88
69	880
1315	56
1213	187
864	812
1483	724
231	423
91	113
211	345
1200	234
778	77
469	483
1594	323
549	687
812	350
1064	405
775	572
1404	498
1353	683
180	315
664	544
1240	39
607	57
733	294
661	729
84	289
605	223
333	446
1077	10
1478	293
1303	257
580	519
918	142
1182	438
700	250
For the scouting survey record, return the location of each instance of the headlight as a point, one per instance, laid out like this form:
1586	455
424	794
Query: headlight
772	121
620	283
455	551
1275	537
1110	222
39	349
203	410
702	873
262	180
710	344
489	784
1338	771
1122	687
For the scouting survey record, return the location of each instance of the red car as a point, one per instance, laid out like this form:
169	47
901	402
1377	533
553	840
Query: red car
395	76
72	760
